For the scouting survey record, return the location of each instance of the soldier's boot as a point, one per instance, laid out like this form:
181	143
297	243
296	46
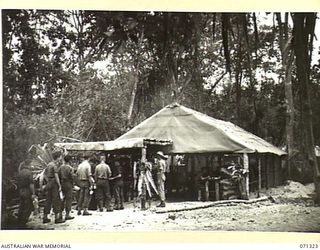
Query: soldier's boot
68	216
121	204
143	203
45	219
100	205
162	204
116	206
149	203
58	218
108	206
85	212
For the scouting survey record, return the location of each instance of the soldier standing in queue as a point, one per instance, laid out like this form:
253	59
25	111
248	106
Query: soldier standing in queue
26	192
117	186
161	178
52	189
102	174
66	177
86	182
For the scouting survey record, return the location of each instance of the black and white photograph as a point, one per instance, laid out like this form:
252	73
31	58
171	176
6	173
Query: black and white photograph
153	121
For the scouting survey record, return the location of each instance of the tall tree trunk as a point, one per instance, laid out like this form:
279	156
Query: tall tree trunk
196	68
256	115
225	27
303	31
136	80
238	75
170	57
290	113
256	36
287	61
133	95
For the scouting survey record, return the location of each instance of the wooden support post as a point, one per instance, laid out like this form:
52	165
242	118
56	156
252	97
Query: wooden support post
206	190
144	193
130	190
135	180
193	174
220	162
267	172
216	187
143	154
278	169
274	171
259	176
217	183
246	167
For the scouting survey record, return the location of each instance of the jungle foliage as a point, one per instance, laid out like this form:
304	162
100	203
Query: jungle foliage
232	66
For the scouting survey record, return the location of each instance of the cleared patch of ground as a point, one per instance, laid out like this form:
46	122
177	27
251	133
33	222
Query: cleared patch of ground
290	210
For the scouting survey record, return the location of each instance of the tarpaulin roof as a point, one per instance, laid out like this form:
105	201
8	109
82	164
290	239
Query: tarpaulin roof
195	132
113	145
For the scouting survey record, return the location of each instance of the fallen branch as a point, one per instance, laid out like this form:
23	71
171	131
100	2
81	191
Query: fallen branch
217	203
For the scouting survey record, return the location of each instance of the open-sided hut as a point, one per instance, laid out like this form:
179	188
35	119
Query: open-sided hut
209	142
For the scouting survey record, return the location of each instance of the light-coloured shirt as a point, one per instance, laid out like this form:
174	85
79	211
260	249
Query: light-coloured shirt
161	168
161	165
84	170
102	171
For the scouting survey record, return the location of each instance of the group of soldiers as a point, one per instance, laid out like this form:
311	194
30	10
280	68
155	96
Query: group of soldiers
59	179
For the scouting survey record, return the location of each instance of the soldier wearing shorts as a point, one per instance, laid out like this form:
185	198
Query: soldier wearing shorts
102	174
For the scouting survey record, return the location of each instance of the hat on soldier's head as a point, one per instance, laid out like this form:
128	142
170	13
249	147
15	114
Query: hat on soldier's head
160	153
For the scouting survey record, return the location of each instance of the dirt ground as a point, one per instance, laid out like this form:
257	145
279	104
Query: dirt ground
290	210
